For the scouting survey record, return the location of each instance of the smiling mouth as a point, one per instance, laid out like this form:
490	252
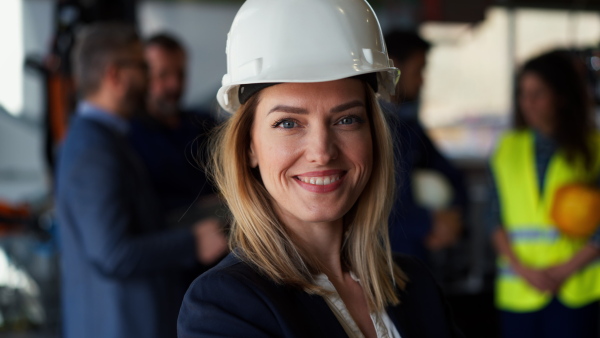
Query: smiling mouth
320	180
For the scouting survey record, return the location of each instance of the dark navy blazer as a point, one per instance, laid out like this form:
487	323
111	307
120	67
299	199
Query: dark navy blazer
234	300
118	262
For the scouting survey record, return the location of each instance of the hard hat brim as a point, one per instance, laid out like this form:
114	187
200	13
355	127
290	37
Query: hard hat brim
228	99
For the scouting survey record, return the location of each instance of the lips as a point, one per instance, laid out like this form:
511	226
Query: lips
321	181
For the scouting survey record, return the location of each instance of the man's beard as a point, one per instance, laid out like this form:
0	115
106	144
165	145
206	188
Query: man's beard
167	108
135	98
167	105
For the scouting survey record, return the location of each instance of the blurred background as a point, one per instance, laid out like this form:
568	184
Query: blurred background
466	102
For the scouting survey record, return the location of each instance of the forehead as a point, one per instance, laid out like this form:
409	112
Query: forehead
155	52
312	95
532	79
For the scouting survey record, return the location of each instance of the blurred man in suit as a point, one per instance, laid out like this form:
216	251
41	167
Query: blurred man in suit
117	255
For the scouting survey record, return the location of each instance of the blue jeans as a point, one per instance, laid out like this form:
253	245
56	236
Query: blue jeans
555	320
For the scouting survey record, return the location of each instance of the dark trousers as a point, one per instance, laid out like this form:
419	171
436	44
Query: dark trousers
555	320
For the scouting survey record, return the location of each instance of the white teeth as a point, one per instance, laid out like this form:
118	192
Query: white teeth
324	180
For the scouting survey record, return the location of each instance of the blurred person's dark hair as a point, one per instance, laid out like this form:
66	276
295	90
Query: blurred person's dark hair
402	43
165	41
574	122
98	46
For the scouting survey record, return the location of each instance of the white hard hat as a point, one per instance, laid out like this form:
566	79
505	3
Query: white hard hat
273	41
431	189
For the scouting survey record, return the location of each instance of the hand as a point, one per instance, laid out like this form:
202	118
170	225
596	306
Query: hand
559	274
539	279
211	243
446	229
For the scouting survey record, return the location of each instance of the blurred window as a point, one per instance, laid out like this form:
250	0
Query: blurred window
467	96
11	59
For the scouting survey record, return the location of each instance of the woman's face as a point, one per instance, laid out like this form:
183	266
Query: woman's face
537	103
312	145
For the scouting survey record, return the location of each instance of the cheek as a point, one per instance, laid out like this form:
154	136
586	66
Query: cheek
542	108
530	106
367	158
359	150
156	87
548	108
274	156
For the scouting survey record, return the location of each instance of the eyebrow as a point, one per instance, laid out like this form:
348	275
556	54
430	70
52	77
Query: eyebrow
347	106
302	111
288	109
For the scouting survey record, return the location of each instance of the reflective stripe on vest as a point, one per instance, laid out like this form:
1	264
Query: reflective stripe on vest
526	219
533	235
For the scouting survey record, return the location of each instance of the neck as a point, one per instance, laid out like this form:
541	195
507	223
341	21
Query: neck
546	132
323	241
171	121
107	103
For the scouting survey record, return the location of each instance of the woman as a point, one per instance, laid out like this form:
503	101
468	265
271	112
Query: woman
548	283
305	165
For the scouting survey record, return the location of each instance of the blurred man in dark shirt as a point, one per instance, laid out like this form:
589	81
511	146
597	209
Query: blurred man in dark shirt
169	140
414	228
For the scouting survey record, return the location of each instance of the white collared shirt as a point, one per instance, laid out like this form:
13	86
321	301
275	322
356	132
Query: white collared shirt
381	321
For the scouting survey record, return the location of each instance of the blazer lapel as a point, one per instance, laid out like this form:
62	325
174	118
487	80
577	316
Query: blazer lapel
325	323
398	317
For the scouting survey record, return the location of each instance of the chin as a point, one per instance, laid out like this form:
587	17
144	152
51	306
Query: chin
322	216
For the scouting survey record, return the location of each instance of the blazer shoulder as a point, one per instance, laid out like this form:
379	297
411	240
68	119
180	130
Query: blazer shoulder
86	135
233	270
81	124
232	292
421	282
411	265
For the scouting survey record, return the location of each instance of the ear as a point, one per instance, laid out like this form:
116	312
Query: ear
112	77
111	74
252	156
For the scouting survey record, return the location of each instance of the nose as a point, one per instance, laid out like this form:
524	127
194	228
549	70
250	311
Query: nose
174	82
321	147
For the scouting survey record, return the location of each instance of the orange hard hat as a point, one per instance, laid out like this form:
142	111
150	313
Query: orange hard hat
576	210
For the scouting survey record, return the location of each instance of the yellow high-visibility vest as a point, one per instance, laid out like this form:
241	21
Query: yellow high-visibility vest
526	218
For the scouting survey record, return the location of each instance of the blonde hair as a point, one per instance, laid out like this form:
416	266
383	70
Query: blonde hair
264	242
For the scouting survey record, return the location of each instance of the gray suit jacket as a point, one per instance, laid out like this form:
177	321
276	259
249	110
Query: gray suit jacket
118	261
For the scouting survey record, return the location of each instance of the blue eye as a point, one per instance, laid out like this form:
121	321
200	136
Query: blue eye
285	124
288	124
350	120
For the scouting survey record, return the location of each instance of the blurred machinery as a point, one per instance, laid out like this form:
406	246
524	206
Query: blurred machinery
55	68
29	271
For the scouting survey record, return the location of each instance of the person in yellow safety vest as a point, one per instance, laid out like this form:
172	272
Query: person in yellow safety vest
548	284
